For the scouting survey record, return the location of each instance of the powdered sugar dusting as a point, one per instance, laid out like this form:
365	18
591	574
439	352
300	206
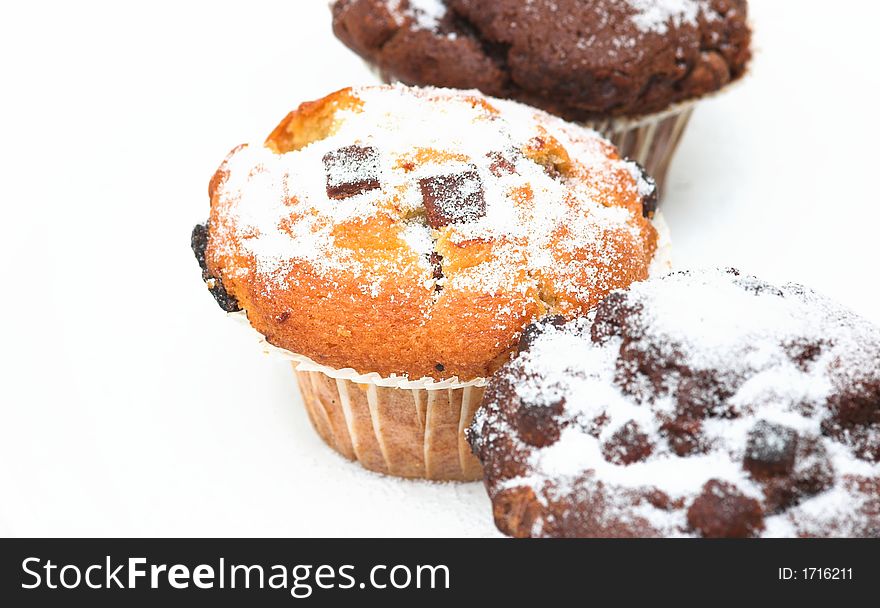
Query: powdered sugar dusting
276	206
425	14
656	15
747	335
649	16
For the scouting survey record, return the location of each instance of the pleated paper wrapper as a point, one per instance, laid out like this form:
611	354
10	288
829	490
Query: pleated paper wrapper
392	425
396	425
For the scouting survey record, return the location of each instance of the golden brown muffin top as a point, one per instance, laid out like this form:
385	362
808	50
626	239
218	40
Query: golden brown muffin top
417	231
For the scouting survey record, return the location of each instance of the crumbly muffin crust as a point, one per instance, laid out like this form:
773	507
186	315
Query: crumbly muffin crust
700	404
416	232
580	59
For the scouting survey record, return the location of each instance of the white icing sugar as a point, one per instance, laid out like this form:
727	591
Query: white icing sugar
839	508
277	209
648	16
735	327
418	237
576	452
425	14
656	15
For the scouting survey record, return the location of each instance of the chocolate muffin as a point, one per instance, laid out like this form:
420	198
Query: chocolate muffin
625	67
395	241
705	403
579	59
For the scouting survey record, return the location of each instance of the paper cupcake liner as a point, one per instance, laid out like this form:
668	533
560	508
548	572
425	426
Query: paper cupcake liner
416	433
392	425
650	140
396	425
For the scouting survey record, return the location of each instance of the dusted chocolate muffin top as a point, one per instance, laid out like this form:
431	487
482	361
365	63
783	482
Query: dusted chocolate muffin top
417	231
580	59
700	404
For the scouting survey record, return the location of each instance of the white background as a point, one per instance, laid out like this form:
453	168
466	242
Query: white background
131	406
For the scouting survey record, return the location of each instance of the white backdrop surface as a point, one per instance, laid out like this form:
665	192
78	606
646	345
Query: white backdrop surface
130	407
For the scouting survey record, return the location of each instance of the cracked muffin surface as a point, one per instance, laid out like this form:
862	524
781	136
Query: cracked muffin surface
417	231
705	403
580	59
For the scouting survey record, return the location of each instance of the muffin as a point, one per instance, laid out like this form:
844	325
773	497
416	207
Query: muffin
393	243
631	69
705	403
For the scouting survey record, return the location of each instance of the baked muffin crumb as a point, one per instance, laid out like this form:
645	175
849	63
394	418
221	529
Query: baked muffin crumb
416	232
580	59
706	403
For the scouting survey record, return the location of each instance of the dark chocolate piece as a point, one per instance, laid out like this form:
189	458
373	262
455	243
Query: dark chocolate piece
453	198
436	262
627	445
812	474
351	170
684	435
651	198
770	450
722	511
538	425
199	244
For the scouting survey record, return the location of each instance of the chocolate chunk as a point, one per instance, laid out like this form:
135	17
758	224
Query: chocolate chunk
224	299
855	418
652	195
538	425
199	244
857	406
701	393
684	435
863	440
643	368
813	473
453	198
722	511
436	262
627	445
659	499
501	164
535	329
804	353
440	367
351	170
770	450
612	316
